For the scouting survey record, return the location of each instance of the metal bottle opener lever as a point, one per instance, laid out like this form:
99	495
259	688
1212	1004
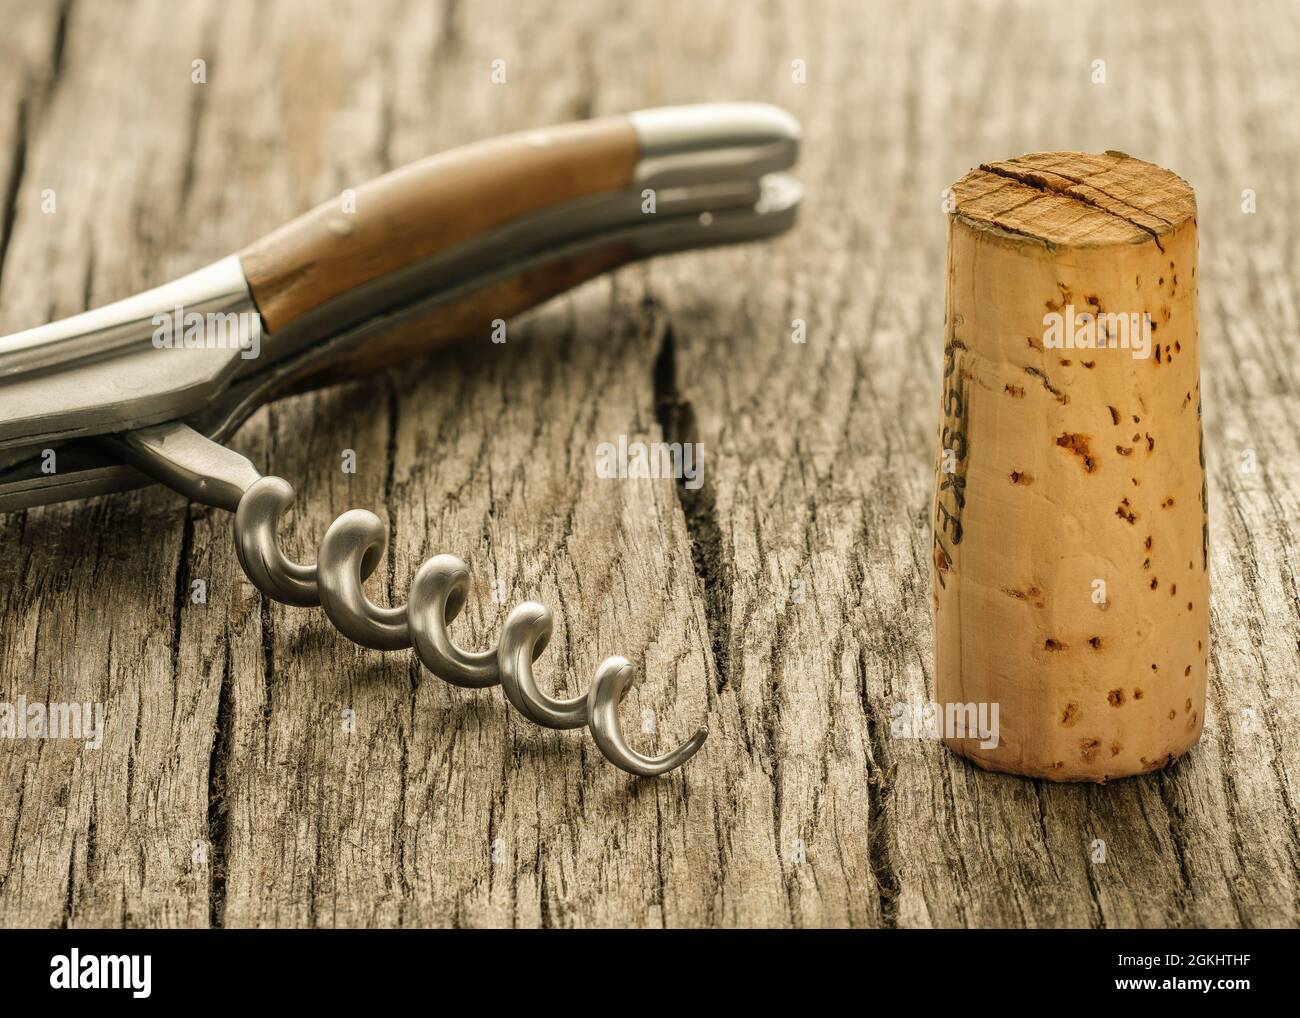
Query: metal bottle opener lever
147	388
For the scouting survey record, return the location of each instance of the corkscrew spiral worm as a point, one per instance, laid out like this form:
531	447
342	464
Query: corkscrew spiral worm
353	547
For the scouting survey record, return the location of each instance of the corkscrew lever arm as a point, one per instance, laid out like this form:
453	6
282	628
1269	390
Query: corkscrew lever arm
354	545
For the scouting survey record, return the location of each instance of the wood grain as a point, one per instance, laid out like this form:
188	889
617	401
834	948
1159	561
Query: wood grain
467	316
785	600
429	206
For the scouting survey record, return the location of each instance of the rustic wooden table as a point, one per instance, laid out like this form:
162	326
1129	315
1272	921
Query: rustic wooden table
230	789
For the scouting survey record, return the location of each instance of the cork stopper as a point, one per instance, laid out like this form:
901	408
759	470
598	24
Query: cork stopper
1076	199
1070	577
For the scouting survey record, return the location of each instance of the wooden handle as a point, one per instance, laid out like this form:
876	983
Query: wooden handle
429	206
465	317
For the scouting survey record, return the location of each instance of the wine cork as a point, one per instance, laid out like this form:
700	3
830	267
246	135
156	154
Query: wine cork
1070	579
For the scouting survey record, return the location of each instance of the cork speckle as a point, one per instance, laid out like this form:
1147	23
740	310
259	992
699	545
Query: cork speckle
1054	646
1069	715
1021	477
1116	697
1057	394
1078	445
1088	748
1034	594
1155	765
1125	512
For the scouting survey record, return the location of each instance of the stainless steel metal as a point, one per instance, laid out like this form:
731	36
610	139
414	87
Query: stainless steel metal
684	146
353	547
613	679
187	462
94	334
85	469
100	371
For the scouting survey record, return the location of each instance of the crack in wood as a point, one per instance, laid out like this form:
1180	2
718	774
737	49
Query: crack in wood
709	554
18	167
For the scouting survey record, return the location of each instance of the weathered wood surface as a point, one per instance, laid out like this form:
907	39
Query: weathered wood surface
228	791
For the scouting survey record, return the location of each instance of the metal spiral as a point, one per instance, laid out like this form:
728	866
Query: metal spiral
352	549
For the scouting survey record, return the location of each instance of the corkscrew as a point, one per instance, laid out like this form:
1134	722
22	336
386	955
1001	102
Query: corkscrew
351	550
148	389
